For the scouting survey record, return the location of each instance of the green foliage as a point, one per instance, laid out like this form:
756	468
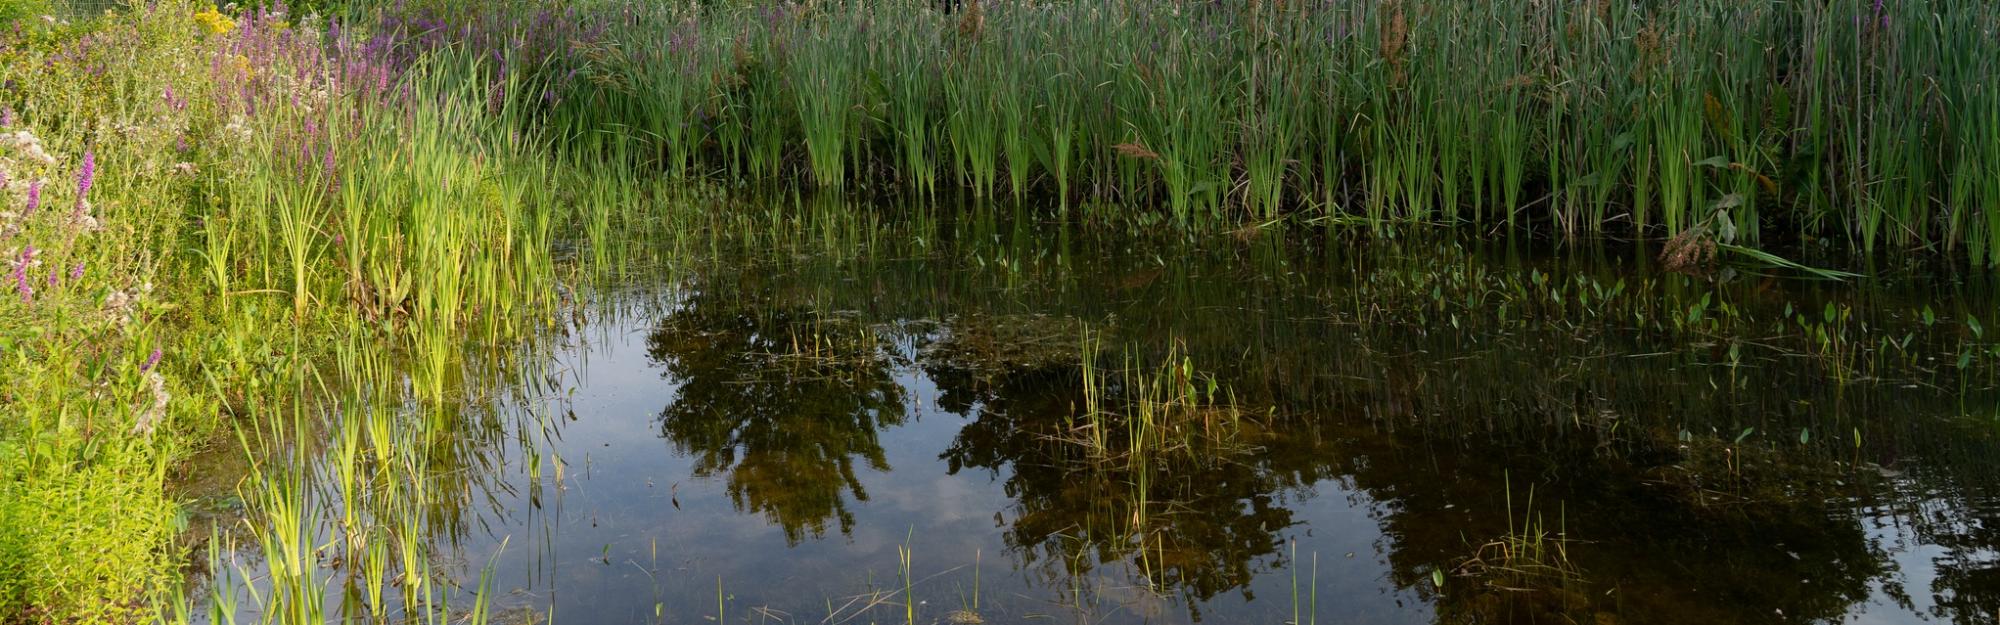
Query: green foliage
1825	120
13	10
83	543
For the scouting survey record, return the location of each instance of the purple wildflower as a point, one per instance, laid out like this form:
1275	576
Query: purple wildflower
87	177
6	116
76	273
21	274
34	197
151	361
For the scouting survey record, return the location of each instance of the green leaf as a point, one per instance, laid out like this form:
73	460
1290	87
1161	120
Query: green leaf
1779	261
1744	435
1805	434
1437	577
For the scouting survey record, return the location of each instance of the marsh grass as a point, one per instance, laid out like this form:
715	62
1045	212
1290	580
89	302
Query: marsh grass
1566	117
1136	414
1525	573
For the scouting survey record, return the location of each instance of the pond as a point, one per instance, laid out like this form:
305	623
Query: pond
998	421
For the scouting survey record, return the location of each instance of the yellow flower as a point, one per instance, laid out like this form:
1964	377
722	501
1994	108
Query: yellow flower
243	65
214	21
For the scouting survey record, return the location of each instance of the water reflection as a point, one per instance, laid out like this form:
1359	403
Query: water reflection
781	402
1428	429
1195	524
1695	453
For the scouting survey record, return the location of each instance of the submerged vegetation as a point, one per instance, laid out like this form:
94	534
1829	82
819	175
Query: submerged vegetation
285	287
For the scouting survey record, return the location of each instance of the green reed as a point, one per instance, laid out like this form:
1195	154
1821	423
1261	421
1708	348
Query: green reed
826	75
1823	119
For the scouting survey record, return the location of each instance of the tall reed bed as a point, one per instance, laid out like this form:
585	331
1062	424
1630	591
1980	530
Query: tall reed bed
1851	119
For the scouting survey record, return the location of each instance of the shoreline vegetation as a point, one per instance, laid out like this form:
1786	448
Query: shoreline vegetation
218	221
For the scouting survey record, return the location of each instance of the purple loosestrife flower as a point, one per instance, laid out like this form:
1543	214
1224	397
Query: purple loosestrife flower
6	116
76	273
21	274
34	197
86	177
151	361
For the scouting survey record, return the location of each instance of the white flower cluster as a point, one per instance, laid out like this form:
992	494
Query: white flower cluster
82	220
149	417
237	131
21	158
25	146
309	94
119	304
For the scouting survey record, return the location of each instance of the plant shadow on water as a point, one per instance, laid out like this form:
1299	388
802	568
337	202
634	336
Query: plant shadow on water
991	426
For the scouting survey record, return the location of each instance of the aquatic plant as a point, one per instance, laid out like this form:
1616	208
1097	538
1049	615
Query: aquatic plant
1567	117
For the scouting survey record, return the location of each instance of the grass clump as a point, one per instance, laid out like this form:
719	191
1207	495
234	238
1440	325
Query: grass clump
1137	415
1524	575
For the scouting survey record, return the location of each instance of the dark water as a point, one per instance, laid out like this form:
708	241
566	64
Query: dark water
765	437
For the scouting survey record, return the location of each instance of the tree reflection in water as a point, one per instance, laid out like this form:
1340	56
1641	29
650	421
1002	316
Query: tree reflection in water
782	403
1425	429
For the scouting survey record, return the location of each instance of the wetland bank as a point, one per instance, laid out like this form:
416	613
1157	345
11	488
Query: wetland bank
1094	311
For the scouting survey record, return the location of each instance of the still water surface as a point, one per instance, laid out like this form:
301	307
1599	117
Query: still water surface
766	437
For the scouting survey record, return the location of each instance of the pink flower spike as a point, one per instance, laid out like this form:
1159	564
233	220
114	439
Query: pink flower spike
86	177
34	197
21	274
